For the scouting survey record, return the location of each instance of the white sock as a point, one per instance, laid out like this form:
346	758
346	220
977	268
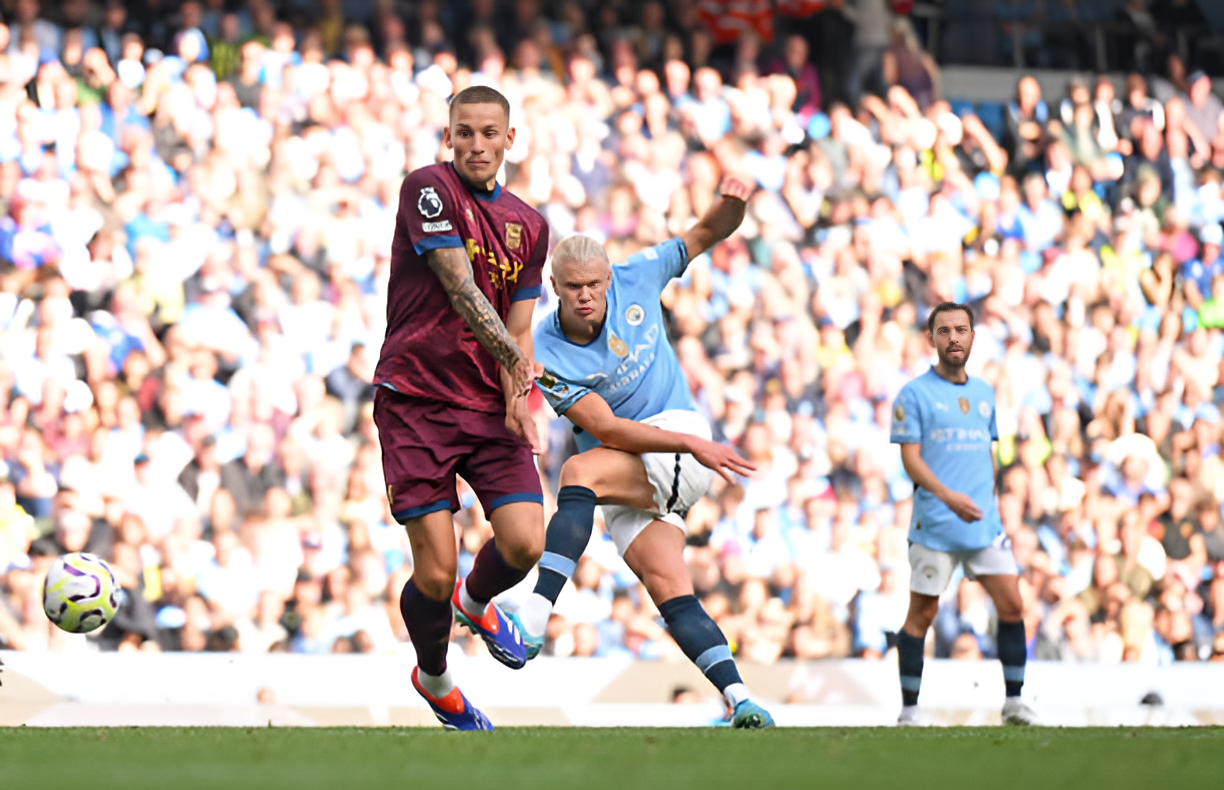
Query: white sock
437	685
534	614
469	604
736	693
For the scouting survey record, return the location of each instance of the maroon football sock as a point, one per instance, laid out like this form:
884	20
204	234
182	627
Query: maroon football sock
491	574
429	627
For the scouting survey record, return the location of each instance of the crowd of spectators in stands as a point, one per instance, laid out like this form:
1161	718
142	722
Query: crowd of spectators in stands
199	200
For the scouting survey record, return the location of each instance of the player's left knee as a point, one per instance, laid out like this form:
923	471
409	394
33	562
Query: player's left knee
1010	613
577	471
1010	608
524	550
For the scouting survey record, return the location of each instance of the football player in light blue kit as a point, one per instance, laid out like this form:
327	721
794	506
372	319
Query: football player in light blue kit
944	421
646	454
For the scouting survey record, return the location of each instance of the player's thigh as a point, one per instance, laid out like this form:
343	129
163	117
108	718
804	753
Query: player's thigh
519	530
656	556
497	464
435	553
1004	590
421	447
930	570
616	477
996	569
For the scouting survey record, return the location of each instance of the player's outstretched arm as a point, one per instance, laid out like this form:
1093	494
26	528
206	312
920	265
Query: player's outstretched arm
593	415
721	220
454	271
960	504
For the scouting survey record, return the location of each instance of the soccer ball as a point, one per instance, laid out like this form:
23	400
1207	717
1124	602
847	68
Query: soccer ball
81	593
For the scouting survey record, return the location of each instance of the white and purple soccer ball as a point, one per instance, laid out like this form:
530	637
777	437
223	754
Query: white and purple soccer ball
81	593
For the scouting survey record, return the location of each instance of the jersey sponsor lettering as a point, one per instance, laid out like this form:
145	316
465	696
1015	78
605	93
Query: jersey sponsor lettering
955	439
503	270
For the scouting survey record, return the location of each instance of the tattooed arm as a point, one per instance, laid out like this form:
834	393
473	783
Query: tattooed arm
454	271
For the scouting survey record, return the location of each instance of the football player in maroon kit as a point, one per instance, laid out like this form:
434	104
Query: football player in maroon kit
453	381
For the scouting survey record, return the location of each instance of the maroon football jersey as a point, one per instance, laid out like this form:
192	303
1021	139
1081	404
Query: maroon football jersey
429	351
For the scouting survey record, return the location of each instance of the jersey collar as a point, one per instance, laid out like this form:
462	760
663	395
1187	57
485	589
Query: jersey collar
935	373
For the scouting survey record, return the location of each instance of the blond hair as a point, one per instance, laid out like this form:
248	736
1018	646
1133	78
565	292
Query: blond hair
578	249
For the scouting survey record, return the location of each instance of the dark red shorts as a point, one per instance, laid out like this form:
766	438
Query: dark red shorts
426	443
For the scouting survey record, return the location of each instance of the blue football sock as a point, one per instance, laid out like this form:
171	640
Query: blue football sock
569	531
909	658
701	640
1013	653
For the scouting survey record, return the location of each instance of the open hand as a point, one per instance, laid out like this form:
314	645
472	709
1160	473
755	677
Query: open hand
722	459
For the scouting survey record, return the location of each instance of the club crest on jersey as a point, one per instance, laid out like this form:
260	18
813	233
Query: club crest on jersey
984	408
635	315
428	203
964	405
514	236
617	345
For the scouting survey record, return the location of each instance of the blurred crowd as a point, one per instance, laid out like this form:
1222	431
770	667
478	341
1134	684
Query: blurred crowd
199	200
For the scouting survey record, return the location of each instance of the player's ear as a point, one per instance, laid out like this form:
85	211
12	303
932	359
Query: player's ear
553	280
446	137
509	137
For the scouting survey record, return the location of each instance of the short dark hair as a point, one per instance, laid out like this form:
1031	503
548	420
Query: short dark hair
480	94
948	307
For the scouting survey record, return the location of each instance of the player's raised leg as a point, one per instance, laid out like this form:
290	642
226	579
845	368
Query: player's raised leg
1004	590
619	478
426	608
656	555
502	471
504	561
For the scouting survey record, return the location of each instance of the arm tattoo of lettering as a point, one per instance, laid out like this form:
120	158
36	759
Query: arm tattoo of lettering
454	271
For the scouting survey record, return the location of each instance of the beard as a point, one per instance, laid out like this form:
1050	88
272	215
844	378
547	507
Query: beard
952	362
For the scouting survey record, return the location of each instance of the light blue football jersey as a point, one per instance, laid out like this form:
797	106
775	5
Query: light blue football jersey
954	424
631	364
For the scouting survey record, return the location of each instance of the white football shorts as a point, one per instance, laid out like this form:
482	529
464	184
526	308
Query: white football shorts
679	480
932	570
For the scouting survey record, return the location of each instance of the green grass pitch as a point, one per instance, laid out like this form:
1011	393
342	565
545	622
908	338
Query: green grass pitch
592	759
